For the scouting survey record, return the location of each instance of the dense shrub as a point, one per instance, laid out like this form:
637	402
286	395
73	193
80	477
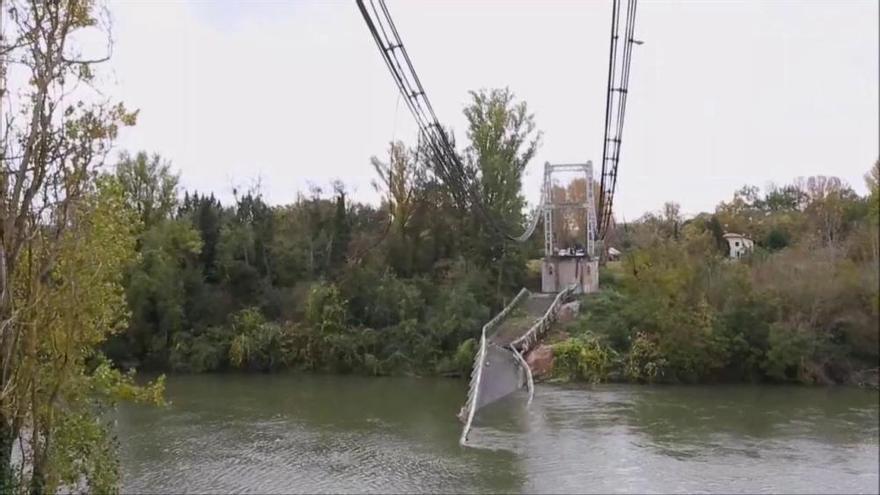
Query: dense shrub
584	358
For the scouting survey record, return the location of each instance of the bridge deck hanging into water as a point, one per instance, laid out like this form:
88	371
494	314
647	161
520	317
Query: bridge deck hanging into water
499	366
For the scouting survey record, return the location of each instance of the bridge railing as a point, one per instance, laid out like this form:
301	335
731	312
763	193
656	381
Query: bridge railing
530	382
525	342
470	406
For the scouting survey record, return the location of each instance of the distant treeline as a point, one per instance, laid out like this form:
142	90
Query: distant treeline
325	283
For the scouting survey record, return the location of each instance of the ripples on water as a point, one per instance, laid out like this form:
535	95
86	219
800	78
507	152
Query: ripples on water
295	433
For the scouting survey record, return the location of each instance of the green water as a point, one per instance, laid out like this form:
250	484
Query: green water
302	433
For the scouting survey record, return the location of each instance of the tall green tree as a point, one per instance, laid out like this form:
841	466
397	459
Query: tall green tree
52	146
503	139
402	181
67	378
157	292
341	230
206	214
244	254
150	186
872	180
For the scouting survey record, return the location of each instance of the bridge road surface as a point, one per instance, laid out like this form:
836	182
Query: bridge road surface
521	319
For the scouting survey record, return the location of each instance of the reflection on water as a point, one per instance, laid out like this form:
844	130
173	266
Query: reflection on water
302	433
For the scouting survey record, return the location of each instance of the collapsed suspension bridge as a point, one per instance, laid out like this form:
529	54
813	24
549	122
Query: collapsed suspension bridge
567	270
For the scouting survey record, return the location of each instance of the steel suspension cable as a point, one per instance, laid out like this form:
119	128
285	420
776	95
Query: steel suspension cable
615	11
445	159
615	110
627	64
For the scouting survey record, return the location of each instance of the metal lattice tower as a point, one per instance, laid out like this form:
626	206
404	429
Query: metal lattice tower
589	206
592	226
546	198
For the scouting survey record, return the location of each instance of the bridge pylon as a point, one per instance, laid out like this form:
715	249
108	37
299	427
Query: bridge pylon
570	229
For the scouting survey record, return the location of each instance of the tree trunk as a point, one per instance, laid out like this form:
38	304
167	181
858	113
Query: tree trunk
7	438
38	481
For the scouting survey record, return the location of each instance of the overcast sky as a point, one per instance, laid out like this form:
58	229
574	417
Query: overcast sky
721	93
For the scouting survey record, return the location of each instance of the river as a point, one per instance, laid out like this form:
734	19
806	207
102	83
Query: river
288	433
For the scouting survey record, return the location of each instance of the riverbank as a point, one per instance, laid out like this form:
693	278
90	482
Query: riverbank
675	311
321	285
568	354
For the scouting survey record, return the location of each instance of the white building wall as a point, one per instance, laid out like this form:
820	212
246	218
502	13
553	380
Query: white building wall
740	246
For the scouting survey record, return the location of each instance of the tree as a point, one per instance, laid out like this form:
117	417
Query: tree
402	181
244	255
257	343
206	215
786	198
872	180
150	187
739	214
672	219
64	380
503	139
714	226
399	179
156	289
777	239
569	224
54	142
341	230
826	208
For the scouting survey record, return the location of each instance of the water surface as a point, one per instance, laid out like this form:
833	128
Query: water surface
304	433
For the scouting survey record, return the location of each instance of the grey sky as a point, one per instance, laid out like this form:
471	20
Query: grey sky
721	93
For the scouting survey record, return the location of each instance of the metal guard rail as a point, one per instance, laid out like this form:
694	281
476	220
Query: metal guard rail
537	331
